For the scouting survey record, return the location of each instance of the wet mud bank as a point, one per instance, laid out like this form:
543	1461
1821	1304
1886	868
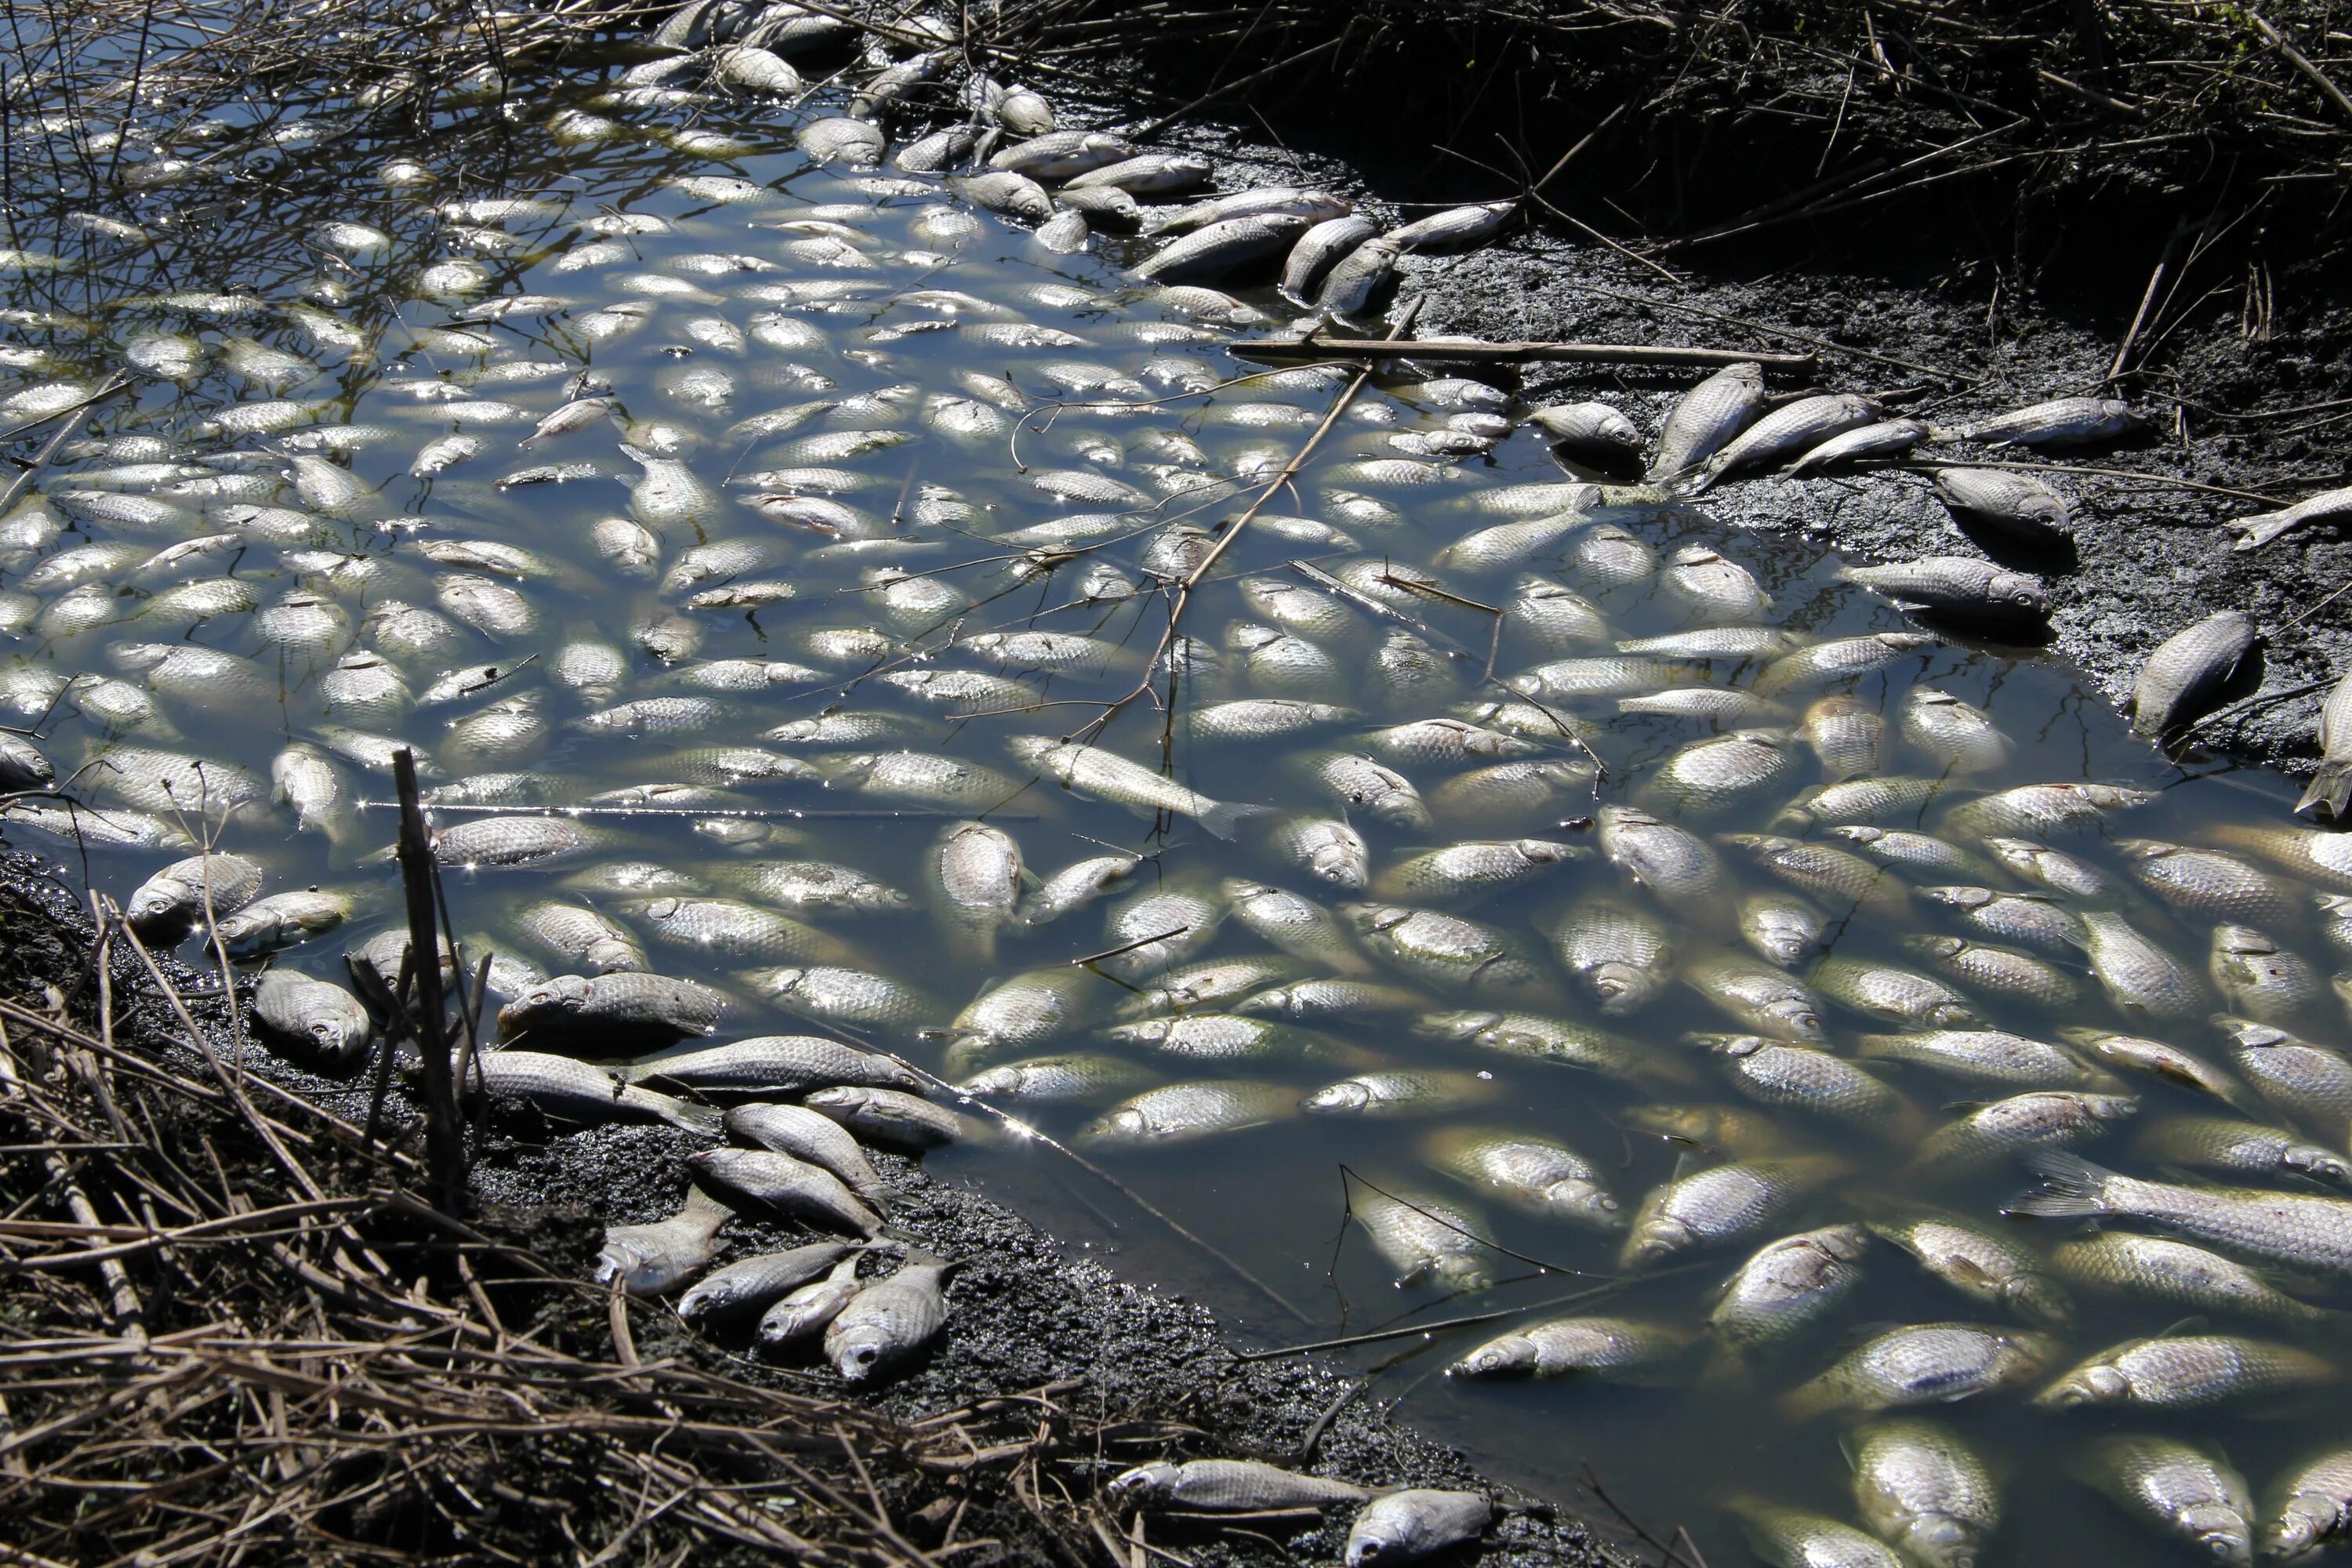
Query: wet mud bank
2234	342
1083	1372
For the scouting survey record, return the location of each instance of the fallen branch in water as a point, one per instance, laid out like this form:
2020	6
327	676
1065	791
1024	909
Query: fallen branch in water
1312	347
1234	530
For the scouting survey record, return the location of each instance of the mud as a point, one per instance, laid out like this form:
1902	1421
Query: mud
1154	1370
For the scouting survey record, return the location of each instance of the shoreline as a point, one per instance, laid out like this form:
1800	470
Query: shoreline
1122	1373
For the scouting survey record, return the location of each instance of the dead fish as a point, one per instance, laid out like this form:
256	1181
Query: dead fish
890	1320
1417	1522
1884	438
1956	585
1592	431
1793	428
1223	247
1454	227
2017	507
1318	250
647	1259
2264	526
1709	416
788	1186
2060	422
1228	1486
573	1091
2188	669
752	1283
2331	785
322	1023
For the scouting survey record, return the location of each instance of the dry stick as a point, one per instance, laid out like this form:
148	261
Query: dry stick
130	1314
1581	144
2301	62
445	1135
1377	1336
1165	120
2245	707
57	439
1517	352
2146	303
2302	616
1669	1555
1234	530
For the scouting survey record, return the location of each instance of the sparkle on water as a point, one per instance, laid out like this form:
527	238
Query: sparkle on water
820	321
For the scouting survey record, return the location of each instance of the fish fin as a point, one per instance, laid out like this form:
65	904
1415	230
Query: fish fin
1969	1275
1226	818
2073	1187
701	1120
2260	529
2330	788
636	455
2195	1323
698	1200
1695	482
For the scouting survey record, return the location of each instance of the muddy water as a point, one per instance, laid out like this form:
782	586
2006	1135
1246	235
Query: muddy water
860	303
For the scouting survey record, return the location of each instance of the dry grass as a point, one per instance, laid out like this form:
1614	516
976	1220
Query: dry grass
231	1329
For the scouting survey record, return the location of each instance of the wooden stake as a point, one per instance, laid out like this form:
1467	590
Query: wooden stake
445	1133
1312	347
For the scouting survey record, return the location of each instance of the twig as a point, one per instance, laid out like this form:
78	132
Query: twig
1155	127
2300	61
2147	302
1234	530
1377	1336
1314	347
445	1132
57	439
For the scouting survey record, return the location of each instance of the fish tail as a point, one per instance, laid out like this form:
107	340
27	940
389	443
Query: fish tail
2259	529
1695	482
2073	1187
1225	818
2330	789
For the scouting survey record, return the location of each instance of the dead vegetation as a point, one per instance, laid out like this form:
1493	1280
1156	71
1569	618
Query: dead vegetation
1729	121
232	1328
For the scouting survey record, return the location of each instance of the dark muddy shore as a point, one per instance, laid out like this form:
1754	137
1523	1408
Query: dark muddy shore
1149	1373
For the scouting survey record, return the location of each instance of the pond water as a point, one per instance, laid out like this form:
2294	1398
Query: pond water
888	433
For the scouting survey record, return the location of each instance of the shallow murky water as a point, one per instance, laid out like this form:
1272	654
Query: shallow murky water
855	350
